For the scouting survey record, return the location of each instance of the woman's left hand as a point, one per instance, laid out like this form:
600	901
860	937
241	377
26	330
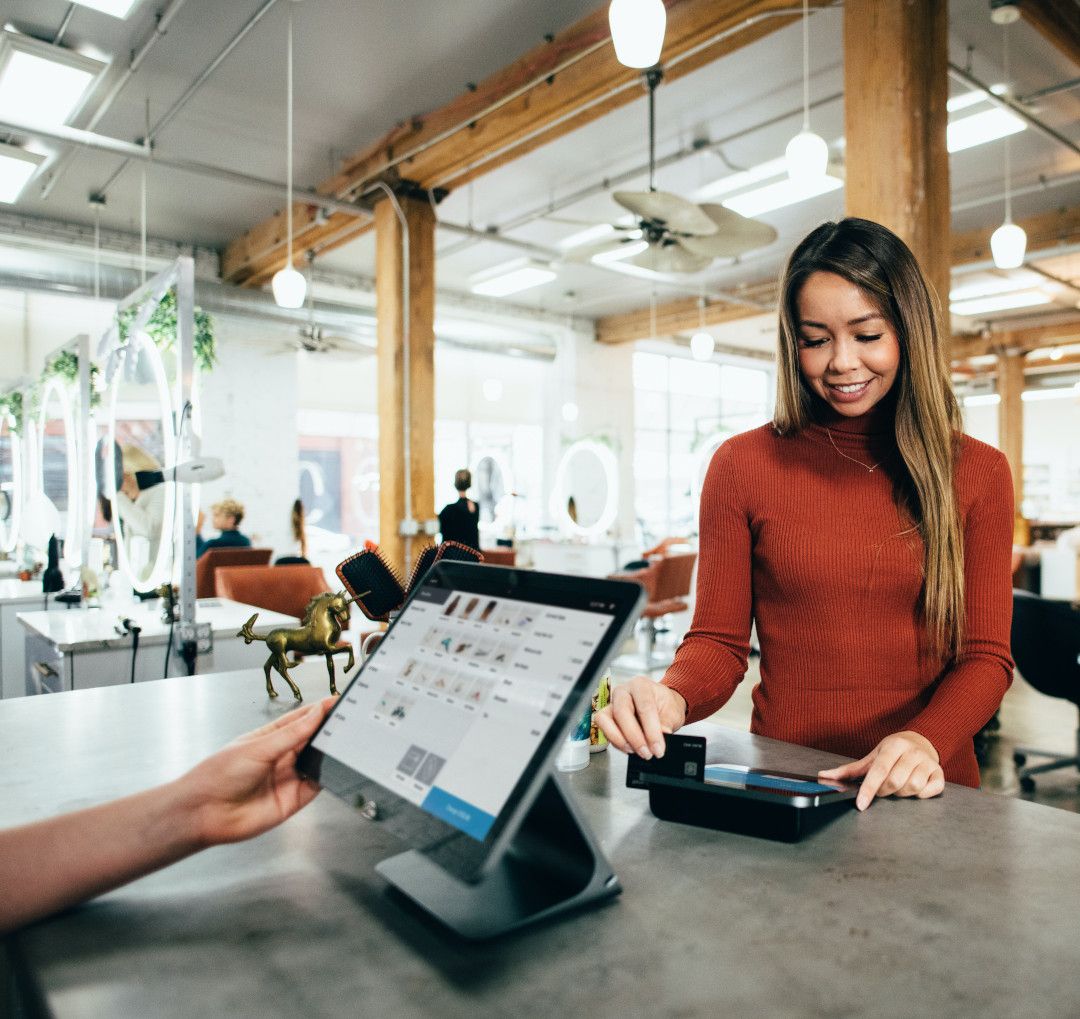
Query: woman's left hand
904	764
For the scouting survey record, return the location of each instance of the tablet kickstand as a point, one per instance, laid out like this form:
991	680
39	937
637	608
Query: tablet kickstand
552	865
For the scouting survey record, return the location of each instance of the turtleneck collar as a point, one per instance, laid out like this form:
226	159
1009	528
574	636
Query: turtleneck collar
876	428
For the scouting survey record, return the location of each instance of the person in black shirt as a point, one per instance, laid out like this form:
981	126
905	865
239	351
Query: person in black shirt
460	521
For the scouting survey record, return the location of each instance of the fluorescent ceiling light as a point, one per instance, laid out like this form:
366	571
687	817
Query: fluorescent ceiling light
511	278
964	100
783	193
1057	393
117	8
621	252
17	166
999	302
42	83
985	286
742	179
982	400
980	128
587	236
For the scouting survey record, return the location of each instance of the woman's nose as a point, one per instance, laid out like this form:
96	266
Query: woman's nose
845	356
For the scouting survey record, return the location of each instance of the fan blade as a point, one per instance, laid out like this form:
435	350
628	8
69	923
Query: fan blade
736	234
670	258
676	214
586	252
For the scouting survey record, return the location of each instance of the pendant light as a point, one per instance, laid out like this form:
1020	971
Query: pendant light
637	31
807	155
702	344
288	285
1008	242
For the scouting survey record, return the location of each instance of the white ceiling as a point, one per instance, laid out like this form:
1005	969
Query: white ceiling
360	68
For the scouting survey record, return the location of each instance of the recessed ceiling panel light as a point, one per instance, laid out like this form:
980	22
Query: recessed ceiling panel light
781	194
999	302
744	178
618	254
979	128
965	99
43	83
17	166
511	278
117	8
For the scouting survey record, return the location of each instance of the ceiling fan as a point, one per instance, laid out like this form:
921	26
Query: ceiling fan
314	339
671	233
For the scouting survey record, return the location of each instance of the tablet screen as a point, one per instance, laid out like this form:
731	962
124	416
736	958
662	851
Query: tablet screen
455	702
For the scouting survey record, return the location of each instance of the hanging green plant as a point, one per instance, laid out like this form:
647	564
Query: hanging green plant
12	403
161	328
66	366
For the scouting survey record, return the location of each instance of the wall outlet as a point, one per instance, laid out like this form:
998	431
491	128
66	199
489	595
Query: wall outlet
201	634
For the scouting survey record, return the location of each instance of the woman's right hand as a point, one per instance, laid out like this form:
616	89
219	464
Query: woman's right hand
641	712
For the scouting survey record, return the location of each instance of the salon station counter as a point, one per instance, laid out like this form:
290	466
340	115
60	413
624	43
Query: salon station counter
964	905
15	596
83	648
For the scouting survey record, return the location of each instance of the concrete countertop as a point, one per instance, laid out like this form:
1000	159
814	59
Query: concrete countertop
82	629
963	905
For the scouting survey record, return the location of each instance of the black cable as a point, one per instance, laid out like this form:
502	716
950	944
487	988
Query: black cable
168	645
134	631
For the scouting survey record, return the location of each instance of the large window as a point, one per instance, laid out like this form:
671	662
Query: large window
683	410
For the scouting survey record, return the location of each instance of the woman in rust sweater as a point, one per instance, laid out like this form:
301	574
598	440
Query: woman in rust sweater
864	534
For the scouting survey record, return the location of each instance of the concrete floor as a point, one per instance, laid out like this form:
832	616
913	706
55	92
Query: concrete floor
1028	719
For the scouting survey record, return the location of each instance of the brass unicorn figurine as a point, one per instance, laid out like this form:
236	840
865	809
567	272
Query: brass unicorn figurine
325	616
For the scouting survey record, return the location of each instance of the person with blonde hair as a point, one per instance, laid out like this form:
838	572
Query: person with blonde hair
141	507
226	516
864	534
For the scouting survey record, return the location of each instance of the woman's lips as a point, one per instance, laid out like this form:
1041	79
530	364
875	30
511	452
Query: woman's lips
848	392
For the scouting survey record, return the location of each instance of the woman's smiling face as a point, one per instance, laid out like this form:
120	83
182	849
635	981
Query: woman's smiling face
849	352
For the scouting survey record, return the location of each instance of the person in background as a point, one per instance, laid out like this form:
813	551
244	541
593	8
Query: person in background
141	507
245	789
868	538
460	521
297	553
226	517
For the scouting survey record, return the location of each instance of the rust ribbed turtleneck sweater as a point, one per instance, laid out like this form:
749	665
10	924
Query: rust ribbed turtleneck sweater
809	544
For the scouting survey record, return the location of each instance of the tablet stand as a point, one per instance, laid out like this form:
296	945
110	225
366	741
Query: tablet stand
552	864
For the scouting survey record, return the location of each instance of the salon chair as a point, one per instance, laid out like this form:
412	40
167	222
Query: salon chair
208	563
499	556
1046	649
284	589
667	581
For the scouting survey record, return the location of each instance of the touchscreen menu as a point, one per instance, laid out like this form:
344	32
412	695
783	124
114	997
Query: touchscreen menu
455	702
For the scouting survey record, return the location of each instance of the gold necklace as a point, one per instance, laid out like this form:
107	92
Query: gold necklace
869	470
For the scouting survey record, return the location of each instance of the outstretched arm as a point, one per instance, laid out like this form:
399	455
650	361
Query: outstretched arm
241	791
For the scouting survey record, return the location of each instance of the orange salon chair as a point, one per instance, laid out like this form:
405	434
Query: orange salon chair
667	582
499	556
208	563
284	589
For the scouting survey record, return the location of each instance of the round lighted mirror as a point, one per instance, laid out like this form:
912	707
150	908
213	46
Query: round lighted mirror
702	458
140	443
57	462
586	494
11	483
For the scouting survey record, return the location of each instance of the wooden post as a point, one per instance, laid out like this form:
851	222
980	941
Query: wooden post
1010	386
390	314
895	90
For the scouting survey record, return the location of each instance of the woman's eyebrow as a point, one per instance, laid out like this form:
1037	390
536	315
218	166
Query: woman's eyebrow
869	317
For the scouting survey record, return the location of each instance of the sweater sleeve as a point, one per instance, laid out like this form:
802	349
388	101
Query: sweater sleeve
711	660
969	692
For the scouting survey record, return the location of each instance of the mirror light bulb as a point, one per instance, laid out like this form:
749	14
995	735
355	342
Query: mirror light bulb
1007	244
702	346
289	288
807	156
569	412
637	31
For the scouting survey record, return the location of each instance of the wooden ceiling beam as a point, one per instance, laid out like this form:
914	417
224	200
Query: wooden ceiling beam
1058	21
681	316
1057	334
508	115
1044	230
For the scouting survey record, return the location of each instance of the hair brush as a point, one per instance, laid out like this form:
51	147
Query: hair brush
372	582
457	552
424	561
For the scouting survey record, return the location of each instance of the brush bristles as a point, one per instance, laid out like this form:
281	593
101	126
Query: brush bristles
424	561
373	584
456	552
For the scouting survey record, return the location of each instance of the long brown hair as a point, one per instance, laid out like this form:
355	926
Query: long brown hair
927	414
298	529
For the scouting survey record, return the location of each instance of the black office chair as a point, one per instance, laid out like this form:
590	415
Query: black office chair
1046	649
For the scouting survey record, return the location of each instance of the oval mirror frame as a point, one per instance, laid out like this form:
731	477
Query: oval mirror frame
162	568
9	530
57	387
559	495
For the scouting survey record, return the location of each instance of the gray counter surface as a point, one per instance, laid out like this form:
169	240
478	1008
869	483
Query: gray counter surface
964	905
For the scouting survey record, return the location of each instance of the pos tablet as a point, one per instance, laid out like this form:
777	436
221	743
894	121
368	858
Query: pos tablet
447	733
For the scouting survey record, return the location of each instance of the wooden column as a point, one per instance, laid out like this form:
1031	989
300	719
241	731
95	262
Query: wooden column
895	90
390	310
1010	386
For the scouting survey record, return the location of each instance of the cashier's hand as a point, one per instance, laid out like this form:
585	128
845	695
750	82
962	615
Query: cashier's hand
904	764
252	784
639	715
